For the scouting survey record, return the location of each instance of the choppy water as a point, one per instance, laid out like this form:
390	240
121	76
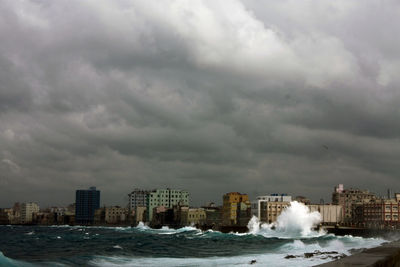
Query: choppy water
142	246
264	245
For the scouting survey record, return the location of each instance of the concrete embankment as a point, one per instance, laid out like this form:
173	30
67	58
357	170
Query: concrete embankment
387	255
390	234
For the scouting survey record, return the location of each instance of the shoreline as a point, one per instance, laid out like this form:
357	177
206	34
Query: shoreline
385	255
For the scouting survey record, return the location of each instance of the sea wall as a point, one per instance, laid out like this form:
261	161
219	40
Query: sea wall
389	234
387	255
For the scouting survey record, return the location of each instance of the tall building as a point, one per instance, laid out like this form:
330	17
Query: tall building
271	206
349	199
236	209
27	211
137	198
166	198
87	201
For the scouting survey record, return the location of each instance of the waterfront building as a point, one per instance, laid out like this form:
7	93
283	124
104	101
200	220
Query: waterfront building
6	216
349	199
28	211
380	213
87	201
139	215
137	198
115	215
196	216
213	215
236	209
330	214
99	217
166	198
17	213
254	208
269	207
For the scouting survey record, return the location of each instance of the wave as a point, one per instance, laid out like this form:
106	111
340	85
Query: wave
296	221
7	262
292	253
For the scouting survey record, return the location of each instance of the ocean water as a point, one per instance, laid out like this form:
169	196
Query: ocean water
264	245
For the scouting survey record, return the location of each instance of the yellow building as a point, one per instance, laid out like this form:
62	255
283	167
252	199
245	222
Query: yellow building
236	209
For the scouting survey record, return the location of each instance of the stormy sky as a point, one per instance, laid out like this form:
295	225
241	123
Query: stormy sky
209	96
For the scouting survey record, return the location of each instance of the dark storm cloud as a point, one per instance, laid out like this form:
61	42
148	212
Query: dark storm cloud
290	96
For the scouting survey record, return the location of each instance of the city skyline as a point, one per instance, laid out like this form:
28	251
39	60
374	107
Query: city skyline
206	96
127	203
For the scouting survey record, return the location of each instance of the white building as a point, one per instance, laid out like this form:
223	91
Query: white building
27	211
330	214
165	198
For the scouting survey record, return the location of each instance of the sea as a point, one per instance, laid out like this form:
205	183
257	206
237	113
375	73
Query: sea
291	241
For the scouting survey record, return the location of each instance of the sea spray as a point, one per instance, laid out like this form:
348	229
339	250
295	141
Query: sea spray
294	221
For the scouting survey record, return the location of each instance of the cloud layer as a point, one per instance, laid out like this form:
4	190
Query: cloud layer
209	96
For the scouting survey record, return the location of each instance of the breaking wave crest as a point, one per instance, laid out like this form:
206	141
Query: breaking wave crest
296	221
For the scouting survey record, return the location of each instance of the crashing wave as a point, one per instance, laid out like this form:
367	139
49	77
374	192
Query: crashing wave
295	221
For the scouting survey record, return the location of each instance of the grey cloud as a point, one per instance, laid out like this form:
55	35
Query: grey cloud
290	96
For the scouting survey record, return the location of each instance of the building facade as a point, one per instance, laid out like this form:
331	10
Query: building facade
139	215
6	216
137	198
87	201
28	210
236	209
196	216
381	213
271	206
166	198
115	215
349	199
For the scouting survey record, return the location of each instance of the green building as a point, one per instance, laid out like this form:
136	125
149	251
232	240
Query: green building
167	198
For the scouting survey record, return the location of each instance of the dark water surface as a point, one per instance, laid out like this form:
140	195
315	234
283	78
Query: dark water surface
138	246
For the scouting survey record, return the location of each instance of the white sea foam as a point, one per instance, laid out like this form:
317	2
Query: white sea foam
142	226
273	259
295	221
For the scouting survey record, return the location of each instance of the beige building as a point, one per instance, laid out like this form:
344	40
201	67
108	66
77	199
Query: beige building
331	214
269	211
28	210
271	206
195	216
140	214
115	214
